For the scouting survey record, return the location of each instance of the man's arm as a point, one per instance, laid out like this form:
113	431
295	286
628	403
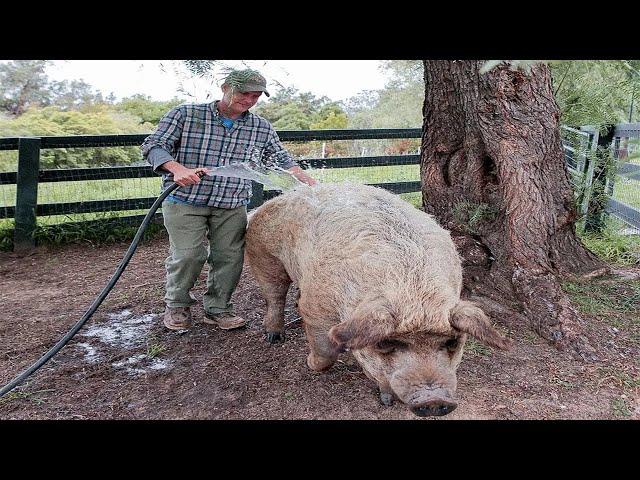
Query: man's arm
182	175
275	150
159	147
302	176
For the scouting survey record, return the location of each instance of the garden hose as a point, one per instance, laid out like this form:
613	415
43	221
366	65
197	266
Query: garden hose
96	303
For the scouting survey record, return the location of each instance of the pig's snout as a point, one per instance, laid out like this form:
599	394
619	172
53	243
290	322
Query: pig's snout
435	408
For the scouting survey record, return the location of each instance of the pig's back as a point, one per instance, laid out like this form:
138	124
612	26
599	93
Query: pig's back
344	230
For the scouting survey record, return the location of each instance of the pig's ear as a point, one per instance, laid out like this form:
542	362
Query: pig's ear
370	322
468	318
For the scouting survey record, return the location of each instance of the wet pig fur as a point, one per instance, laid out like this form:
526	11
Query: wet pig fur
376	276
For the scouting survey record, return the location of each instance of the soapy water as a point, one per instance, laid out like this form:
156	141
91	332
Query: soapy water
272	177
266	172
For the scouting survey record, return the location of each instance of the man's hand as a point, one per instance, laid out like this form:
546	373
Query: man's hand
303	177
184	176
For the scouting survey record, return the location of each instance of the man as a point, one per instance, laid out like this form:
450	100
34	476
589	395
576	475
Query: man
190	139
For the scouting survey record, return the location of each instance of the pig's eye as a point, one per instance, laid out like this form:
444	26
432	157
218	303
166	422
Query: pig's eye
389	346
450	344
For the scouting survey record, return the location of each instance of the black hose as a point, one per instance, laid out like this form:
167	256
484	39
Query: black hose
96	303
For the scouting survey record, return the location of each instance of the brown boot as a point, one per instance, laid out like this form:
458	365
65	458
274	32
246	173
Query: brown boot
177	318
225	320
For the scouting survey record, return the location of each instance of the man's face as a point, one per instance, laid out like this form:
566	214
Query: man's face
240	102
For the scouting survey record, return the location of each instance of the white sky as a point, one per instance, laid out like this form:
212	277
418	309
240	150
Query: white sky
162	80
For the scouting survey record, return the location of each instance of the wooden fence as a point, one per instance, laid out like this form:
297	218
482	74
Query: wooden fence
29	175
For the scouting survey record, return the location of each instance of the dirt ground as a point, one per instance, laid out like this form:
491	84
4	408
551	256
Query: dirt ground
123	364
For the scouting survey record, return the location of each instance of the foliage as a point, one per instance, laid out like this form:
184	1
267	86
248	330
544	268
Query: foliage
612	246
588	92
290	109
24	85
145	109
107	229
95	120
398	105
6	235
604	296
469	214
594	92
154	349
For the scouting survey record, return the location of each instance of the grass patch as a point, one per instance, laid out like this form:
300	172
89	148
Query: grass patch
611	246
477	348
399	173
33	396
155	349
61	229
620	408
88	190
94	229
627	190
414	198
604	297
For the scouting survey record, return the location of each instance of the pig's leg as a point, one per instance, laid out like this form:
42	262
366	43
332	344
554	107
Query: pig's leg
274	318
323	353
274	284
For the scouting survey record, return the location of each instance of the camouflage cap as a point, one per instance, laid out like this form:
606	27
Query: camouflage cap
246	81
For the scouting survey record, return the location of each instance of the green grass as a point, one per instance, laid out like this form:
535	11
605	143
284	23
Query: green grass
604	297
627	191
91	190
33	396
611	246
106	229
155	349
401	173
476	348
57	229
87	190
620	408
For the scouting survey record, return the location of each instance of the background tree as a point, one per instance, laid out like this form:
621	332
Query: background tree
289	109
593	92
71	95
493	173
147	110
51	121
23	83
397	105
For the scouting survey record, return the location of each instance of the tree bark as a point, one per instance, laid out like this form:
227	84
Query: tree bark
493	173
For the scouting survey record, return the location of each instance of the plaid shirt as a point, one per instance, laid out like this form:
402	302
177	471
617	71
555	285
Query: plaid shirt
193	135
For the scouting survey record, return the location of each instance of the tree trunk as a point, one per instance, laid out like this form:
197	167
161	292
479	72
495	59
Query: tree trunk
493	173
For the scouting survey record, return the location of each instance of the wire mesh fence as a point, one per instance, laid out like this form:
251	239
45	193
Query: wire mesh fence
615	165
125	186
625	185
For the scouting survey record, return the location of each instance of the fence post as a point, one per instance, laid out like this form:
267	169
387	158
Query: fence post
595	218
257	195
26	193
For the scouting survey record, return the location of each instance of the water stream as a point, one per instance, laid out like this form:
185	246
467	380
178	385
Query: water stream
271	176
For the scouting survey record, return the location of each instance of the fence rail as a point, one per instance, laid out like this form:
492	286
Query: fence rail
29	175
580	157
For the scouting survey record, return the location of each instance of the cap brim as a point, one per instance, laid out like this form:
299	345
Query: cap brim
254	87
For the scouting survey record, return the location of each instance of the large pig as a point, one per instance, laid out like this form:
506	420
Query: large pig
377	277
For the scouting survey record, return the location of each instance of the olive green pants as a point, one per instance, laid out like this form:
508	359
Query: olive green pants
189	227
